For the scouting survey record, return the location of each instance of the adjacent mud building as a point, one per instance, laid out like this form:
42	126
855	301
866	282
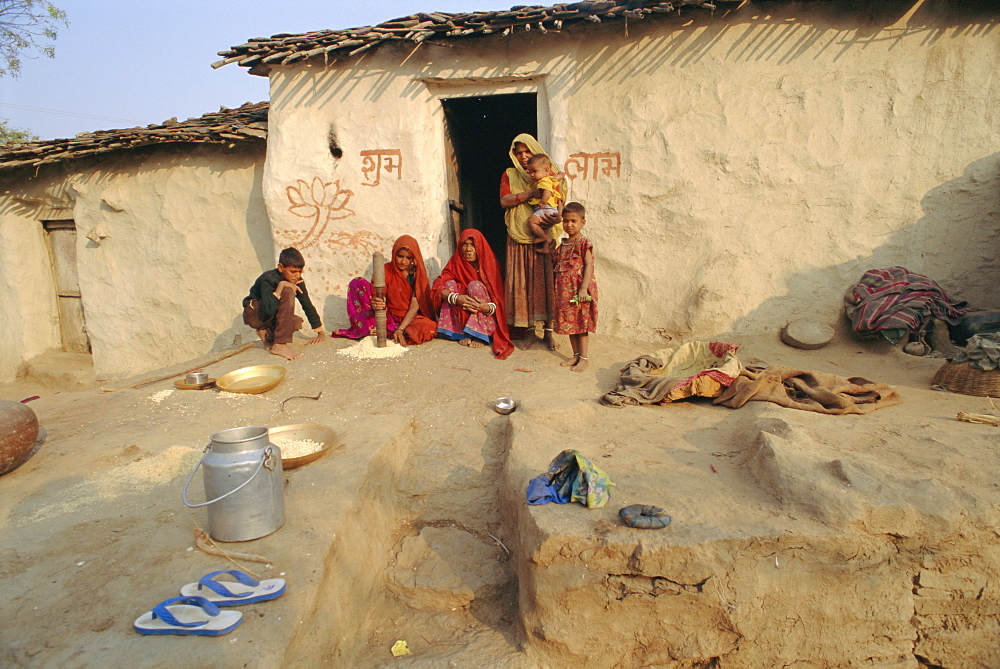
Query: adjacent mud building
135	245
743	163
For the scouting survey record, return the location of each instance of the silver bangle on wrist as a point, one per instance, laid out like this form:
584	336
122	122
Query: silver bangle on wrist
493	308
453	298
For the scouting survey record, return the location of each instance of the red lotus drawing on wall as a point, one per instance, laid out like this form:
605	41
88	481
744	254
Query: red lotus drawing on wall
319	201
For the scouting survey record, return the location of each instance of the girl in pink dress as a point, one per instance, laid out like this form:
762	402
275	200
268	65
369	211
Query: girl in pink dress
575	287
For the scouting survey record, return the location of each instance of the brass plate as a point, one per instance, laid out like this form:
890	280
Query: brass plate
252	380
321	434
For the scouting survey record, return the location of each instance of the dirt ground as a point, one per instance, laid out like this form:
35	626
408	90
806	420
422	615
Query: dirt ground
798	539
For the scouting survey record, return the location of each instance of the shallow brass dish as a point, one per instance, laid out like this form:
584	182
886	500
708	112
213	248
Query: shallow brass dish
253	380
321	434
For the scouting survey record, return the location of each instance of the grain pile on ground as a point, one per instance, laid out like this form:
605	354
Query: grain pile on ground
857	540
296	448
367	349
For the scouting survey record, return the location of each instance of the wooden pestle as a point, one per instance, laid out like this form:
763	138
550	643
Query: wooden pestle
378	283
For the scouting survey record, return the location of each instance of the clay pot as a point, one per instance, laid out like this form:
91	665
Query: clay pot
18	432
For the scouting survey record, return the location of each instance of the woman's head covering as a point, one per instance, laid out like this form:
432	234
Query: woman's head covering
397	288
462	272
517	217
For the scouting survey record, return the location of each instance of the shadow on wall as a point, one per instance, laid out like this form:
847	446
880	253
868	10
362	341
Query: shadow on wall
772	32
51	186
237	334
335	313
960	237
258	226
775	32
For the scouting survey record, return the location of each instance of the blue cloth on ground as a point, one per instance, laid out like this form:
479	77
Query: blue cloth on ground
571	477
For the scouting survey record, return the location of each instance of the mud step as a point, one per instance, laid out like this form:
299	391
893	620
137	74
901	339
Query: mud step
60	370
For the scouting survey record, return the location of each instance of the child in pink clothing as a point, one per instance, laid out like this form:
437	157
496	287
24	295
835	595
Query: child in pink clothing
575	287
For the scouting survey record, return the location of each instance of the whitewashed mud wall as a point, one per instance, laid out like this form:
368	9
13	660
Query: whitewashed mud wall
740	169
185	234
388	180
30	322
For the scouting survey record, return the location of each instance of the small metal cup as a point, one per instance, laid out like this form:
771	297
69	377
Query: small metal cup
505	406
196	378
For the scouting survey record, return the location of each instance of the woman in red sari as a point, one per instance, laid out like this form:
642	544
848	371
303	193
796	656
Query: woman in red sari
469	295
409	310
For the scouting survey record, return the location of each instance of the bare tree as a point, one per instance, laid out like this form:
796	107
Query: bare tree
26	27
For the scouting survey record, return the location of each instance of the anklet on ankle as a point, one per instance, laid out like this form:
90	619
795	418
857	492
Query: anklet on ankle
582	357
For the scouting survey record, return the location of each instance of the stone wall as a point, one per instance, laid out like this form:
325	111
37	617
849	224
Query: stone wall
769	155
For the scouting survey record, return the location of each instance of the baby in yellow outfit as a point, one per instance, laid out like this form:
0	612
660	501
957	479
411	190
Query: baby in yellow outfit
549	201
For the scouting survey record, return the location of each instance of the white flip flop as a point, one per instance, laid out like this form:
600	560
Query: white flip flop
244	590
194	616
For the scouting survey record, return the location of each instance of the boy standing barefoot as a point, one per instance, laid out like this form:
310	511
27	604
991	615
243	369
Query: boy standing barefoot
270	307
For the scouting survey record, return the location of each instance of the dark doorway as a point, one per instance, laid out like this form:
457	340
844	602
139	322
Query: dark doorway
480	130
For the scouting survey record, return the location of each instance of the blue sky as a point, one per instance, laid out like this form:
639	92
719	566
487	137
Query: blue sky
123	63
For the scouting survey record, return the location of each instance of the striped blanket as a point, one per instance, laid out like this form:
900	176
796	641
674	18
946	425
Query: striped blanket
897	299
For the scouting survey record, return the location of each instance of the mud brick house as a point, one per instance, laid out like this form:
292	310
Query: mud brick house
132	244
743	163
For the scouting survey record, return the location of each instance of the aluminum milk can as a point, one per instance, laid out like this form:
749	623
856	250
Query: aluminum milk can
244	484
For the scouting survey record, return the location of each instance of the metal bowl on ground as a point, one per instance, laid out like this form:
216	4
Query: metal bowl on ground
505	405
321	434
196	378
252	380
181	384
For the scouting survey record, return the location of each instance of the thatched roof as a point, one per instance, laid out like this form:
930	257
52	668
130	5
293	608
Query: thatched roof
262	52
246	123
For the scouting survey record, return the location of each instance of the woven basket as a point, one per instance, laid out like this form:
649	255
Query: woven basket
962	377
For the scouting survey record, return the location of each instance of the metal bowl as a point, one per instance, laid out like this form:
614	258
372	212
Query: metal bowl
253	380
196	378
321	434
180	384
505	405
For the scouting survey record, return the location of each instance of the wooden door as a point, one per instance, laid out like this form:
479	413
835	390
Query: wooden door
62	248
455	207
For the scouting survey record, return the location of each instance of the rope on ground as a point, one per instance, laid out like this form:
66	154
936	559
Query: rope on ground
205	543
227	354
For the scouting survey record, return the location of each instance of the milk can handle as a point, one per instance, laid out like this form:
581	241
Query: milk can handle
268	452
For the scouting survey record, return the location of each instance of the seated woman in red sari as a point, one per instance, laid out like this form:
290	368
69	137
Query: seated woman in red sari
409	310
469	294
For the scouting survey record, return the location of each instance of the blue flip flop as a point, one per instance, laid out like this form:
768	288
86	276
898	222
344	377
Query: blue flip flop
245	590
189	616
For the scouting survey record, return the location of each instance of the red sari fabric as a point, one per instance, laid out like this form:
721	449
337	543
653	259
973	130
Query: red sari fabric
463	273
398	293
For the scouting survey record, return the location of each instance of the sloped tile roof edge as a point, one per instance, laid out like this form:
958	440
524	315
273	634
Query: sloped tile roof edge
247	123
259	53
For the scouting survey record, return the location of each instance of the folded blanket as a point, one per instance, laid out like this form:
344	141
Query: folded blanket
896	299
673	373
983	350
810	391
